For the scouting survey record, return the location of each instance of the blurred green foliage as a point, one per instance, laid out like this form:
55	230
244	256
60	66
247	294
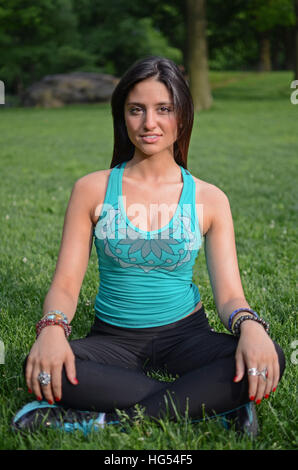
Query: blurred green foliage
60	36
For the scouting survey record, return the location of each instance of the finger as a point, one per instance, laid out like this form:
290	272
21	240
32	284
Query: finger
35	383
28	374
47	393
56	382
47	389
269	381
240	368
70	368
261	385
252	386
276	374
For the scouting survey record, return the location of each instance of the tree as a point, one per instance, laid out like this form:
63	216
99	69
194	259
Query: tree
197	54
264	16
232	43
37	38
120	32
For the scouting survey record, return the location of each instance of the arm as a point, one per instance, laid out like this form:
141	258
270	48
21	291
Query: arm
255	348
51	350
74	254
221	257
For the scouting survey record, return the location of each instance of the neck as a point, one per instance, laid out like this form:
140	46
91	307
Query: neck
153	168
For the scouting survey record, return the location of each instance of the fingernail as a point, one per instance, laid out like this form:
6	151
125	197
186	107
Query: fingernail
258	402
267	396
274	389
50	402
76	381
57	399
235	378
39	398
252	398
29	390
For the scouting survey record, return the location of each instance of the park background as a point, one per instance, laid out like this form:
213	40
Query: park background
240	58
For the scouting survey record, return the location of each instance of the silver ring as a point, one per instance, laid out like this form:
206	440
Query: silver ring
254	371
263	373
44	378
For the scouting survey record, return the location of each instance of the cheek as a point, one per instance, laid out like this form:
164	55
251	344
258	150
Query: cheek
131	127
173	128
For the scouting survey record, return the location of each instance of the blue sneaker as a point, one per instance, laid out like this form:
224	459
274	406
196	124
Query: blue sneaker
243	418
39	414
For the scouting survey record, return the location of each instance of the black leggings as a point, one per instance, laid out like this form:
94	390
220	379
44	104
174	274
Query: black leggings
112	365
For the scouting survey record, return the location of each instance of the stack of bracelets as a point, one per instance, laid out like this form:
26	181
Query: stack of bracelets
54	317
235	323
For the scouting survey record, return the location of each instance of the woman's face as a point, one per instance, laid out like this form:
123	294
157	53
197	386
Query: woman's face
150	119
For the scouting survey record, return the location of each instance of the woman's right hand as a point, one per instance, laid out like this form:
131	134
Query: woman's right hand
50	352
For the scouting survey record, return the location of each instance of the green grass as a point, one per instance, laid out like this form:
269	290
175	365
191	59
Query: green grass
247	144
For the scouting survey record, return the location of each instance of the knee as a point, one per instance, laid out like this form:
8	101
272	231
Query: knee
281	359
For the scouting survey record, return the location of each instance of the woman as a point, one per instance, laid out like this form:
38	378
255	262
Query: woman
148	216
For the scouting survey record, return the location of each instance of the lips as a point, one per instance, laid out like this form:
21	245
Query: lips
150	138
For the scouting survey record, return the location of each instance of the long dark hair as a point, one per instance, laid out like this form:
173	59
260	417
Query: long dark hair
167	72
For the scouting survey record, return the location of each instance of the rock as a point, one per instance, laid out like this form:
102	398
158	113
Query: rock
78	87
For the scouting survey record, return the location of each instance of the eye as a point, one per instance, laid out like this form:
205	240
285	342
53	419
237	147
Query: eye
136	110
165	109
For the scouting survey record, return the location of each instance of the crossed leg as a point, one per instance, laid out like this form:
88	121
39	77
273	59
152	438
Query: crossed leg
111	376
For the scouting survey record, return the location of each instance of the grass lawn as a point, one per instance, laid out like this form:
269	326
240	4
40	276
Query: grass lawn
247	144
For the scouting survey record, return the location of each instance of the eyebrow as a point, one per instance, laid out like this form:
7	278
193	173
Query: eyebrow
142	104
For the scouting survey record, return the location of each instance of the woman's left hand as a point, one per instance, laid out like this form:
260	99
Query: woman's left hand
256	350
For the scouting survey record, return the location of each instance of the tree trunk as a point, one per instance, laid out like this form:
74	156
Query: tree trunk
197	54
265	53
276	50
289	48
296	42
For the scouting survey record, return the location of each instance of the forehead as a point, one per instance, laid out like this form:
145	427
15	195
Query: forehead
148	91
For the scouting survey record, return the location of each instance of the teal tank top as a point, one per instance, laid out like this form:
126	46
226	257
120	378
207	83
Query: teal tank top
146	277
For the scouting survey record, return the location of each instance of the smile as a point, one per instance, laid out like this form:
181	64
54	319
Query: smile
150	138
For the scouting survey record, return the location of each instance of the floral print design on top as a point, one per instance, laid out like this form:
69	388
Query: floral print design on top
166	250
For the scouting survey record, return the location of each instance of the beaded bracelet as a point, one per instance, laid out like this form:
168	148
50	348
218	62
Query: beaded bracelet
46	322
56	314
236	326
250	315
242	309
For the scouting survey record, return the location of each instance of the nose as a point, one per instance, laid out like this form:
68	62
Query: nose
149	120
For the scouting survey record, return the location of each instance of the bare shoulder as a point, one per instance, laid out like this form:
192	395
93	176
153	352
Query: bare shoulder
92	189
208	192
94	179
214	200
